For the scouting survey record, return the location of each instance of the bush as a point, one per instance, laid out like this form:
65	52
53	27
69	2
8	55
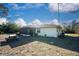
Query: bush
9	28
1	32
76	28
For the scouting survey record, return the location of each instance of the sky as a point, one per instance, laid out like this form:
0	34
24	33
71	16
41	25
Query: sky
42	12
30	12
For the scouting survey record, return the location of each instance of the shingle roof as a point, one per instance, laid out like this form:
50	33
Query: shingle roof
50	26
46	26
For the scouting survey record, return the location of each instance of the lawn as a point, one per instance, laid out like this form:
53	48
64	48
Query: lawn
40	46
72	35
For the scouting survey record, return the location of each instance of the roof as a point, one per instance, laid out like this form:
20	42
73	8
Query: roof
50	26
44	26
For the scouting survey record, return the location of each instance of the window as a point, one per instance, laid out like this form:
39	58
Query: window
38	30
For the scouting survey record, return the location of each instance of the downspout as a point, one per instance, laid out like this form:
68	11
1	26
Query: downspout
58	18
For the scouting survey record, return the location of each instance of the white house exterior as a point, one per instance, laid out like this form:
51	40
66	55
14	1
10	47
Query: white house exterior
49	30
45	30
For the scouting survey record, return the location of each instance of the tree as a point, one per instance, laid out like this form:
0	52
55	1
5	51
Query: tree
69	27
73	24
11	28
76	28
2	28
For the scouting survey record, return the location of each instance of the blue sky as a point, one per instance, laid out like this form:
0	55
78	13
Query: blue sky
44	12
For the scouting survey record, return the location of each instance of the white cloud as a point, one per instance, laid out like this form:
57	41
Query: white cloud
27	6
35	23
55	21
64	7
3	21
35	5
17	7
14	5
77	20
20	22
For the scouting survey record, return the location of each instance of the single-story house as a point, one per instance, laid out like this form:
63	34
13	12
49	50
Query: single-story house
28	31
47	30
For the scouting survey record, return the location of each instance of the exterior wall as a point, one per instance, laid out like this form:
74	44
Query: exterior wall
49	32
28	31
59	31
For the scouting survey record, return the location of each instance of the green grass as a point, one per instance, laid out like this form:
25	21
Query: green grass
73	35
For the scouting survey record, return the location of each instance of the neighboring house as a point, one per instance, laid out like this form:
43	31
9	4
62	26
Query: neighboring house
28	31
46	30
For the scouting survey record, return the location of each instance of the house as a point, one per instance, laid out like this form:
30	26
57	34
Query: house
28	31
46	30
49	30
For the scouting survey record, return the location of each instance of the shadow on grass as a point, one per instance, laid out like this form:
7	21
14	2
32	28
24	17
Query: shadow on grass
71	43
3	43
20	41
15	42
